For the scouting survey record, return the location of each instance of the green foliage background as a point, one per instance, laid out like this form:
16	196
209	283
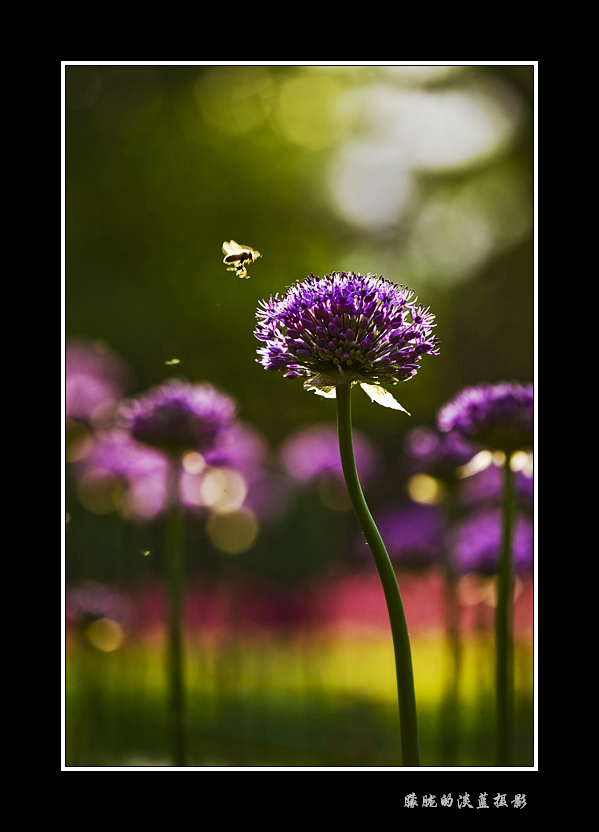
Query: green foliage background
154	183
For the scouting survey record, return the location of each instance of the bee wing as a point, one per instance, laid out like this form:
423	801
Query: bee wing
232	247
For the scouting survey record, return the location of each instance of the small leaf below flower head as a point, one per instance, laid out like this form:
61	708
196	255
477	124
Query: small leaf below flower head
382	397
326	390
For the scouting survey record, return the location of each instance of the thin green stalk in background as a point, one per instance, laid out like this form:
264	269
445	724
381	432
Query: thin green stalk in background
450	733
401	641
504	679
175	560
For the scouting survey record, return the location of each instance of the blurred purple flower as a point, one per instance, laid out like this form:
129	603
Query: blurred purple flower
242	446
133	476
312	452
438	454
95	379
499	417
413	534
486	486
177	417
346	328
474	544
244	450
92	600
118	472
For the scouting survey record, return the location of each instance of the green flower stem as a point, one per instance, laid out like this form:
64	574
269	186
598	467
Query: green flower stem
175	560
504	647
450	705
401	641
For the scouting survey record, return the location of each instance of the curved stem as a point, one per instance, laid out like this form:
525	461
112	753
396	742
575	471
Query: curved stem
504	680
174	585
399	630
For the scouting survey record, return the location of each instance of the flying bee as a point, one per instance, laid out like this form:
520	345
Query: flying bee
238	257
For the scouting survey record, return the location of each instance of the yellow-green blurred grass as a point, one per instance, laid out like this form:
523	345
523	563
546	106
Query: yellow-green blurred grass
353	665
319	700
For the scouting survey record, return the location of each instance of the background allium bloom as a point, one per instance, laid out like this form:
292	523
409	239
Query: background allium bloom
178	417
93	600
475	544
499	417
438	454
313	451
133	476
345	328
413	534
95	379
487	486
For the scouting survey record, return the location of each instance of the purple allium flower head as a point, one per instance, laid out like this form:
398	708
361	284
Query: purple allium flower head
133	475
95	379
177	417
120	472
242	447
346	328
487	485
499	417
313	451
413	534
95	600
474	545
435	453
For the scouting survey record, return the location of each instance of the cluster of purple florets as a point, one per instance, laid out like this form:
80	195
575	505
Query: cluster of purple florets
495	416
343	328
178	417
